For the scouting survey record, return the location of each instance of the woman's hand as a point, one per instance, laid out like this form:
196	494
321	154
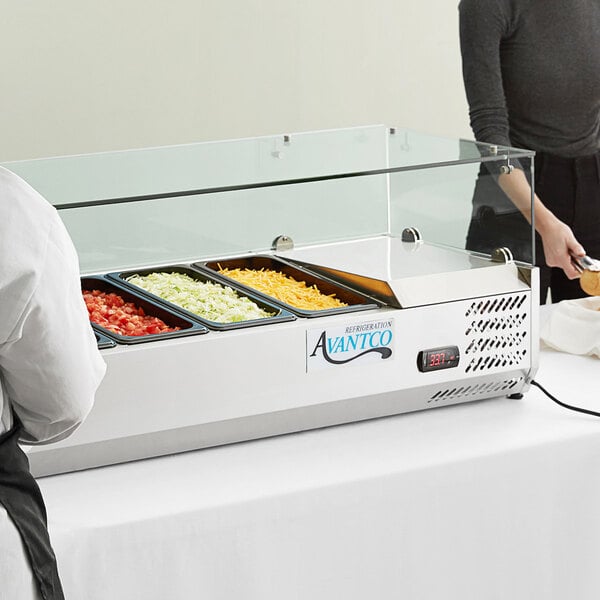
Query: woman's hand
559	245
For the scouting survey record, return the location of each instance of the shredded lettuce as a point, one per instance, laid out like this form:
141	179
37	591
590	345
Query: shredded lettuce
206	299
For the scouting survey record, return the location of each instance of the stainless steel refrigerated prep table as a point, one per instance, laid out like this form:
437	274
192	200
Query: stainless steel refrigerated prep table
379	212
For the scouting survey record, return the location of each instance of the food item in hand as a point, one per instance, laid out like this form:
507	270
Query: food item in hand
206	299
590	282
110	311
284	288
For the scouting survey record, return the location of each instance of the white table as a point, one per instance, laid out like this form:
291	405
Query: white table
498	499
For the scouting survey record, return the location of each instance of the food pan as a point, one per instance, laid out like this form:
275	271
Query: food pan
103	341
170	318
278	313
355	300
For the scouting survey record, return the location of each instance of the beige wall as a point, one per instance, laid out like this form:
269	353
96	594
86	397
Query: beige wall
83	76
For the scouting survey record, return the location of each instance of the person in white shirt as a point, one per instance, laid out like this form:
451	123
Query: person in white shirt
50	368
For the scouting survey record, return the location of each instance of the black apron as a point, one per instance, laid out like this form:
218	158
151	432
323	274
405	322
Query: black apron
22	499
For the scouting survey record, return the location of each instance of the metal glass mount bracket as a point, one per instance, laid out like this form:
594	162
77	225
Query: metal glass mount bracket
411	234
504	169
502	255
278	151
282	242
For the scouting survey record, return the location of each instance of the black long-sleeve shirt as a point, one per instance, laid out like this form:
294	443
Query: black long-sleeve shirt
531	71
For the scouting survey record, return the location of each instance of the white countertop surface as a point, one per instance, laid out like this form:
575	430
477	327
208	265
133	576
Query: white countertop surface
488	500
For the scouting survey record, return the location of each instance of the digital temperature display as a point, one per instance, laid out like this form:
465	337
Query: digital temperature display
438	358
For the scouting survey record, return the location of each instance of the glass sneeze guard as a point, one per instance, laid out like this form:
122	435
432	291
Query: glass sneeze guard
182	203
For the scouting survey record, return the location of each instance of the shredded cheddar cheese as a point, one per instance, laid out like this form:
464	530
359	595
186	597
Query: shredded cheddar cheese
284	288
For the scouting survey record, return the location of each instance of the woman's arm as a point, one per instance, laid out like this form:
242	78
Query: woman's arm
557	238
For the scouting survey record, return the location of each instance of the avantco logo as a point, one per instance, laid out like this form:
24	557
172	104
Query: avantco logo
365	342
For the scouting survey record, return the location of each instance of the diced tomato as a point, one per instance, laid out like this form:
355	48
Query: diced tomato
110	311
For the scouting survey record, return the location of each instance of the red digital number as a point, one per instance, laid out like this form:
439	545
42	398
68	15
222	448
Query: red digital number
437	358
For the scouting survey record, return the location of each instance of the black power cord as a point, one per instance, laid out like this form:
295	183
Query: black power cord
576	408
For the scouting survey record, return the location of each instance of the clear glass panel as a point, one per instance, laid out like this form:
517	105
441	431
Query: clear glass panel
205	166
412	149
183	203
171	230
461	204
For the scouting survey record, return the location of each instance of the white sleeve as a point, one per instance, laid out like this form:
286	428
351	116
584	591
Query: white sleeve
50	364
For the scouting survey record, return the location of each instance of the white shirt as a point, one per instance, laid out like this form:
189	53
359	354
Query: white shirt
50	365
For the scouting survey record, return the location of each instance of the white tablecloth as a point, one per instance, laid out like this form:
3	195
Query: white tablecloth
498	499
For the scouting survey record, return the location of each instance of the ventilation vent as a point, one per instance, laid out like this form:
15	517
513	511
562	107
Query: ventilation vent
493	361
488	389
498	342
496	305
497	333
496	323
